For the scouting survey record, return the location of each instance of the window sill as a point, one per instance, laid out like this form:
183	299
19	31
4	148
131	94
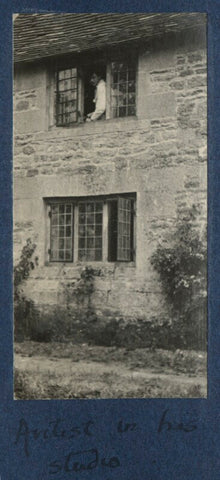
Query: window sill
96	264
91	128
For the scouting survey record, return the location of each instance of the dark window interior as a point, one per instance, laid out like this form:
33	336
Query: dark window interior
112	230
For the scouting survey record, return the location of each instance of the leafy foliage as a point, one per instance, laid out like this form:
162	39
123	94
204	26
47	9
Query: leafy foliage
23	308
25	265
181	262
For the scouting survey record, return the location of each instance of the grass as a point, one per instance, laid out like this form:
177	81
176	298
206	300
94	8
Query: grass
65	370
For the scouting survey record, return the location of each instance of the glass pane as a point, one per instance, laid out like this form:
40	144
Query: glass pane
98	218
123	87
68	208
68	255
90	230
68	219
54	209
61	255
122	111
91	242
131	74
90	218
54	244
115	77
61	232
54	219
73	83
82	219
123	75
61	219
82	242
90	207
98	255
68	243
73	117
131	99
98	230
61	75
68	231
54	231
61	208
82	207
98	242
82	231
82	255
90	256
54	255
67	84
131	110
98	207
131	87
61	243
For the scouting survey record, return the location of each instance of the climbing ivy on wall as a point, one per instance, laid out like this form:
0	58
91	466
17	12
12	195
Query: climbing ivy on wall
181	262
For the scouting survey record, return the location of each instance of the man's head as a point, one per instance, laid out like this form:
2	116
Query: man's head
94	80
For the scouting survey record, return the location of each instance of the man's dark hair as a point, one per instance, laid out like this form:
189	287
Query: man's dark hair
99	71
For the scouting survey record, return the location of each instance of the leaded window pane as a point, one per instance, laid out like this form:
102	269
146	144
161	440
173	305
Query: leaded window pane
124	229
123	90
90	231
67	97
61	233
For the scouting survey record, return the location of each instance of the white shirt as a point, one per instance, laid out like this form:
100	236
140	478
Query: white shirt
100	100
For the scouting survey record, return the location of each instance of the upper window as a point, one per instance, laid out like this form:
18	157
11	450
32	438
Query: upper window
123	90
93	229
79	98
67	97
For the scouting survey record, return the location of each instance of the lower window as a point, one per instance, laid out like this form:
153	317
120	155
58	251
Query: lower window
92	229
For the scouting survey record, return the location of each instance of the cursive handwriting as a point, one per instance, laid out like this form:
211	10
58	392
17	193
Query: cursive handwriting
81	461
54	429
166	425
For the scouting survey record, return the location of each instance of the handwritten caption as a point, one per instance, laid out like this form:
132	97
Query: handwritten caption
75	460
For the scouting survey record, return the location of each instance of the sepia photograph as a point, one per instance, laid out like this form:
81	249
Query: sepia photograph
110	205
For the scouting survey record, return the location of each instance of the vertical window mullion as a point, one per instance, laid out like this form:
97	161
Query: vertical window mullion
76	233
105	233
124	230
108	91
127	91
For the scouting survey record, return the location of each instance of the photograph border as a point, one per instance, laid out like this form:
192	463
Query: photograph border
151	438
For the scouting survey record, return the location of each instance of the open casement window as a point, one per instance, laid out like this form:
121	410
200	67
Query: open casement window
94	229
124	229
66	97
74	94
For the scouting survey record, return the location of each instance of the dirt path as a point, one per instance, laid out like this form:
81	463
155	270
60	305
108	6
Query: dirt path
66	378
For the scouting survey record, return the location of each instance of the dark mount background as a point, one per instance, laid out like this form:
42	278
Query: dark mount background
144	454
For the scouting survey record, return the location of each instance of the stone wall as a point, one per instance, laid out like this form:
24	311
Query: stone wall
160	155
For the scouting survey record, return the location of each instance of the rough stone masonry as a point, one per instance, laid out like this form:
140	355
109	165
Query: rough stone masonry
160	154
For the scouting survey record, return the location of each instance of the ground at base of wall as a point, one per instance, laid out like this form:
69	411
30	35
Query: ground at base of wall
61	370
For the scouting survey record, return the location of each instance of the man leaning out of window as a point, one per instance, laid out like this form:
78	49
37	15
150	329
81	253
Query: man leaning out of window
99	99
